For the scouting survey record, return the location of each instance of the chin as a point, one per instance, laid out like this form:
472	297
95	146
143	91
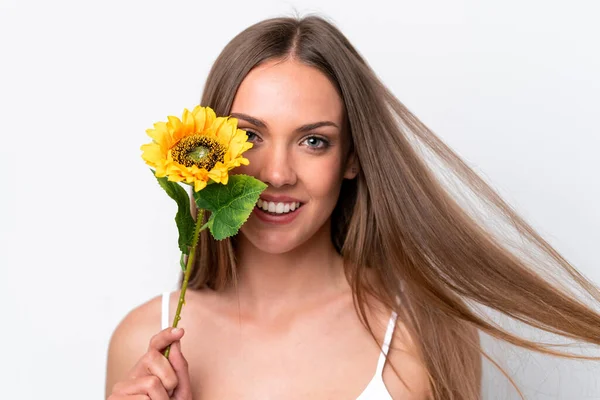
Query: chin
273	242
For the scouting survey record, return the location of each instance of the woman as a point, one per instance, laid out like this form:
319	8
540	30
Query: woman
358	275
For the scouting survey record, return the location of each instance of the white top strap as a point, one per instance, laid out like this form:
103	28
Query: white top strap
386	343
165	310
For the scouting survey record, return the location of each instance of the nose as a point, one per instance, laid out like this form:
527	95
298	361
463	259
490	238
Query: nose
277	167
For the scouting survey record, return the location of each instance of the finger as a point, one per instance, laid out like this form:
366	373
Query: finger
149	385
183	391
154	363
162	339
129	397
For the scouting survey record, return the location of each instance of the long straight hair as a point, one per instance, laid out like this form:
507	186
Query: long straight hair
404	223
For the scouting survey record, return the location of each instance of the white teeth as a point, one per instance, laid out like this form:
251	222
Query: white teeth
277	208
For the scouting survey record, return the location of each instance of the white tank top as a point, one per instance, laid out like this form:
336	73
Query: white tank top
375	390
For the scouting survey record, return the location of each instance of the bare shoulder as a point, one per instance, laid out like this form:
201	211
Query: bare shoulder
130	339
412	379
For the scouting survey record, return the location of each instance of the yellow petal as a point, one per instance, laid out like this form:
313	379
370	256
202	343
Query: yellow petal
174	178
237	162
199	185
228	130
160	171
218	173
174	123
235	149
239	144
204	117
175	129
219	127
188	121
152	154
160	134
178	170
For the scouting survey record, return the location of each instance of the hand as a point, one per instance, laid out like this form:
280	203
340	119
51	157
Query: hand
155	377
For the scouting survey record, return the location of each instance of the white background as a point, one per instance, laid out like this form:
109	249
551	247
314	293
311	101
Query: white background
86	234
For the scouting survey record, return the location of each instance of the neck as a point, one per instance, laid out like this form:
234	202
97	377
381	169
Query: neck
272	284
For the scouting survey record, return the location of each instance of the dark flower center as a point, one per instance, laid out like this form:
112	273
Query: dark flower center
202	151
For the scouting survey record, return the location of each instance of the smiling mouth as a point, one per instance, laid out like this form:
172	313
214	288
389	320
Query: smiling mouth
277	208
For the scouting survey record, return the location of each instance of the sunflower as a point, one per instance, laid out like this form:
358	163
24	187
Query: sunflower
198	148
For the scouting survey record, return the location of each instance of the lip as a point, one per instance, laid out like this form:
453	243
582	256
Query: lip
280	199
280	219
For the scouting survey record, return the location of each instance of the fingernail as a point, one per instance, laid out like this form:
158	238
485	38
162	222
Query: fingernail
176	330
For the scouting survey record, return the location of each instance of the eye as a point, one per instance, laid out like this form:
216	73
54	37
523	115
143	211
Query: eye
252	136
316	143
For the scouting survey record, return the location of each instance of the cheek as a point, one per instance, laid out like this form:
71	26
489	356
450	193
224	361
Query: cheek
322	177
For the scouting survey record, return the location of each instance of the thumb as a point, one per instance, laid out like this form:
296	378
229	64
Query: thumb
183	391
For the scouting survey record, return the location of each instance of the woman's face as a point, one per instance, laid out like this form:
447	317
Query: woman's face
293	115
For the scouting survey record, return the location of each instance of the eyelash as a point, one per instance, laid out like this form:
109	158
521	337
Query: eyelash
249	132
325	143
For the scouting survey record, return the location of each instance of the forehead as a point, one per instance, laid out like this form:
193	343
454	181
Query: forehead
288	90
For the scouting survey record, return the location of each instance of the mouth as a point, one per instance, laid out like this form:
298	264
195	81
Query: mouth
278	208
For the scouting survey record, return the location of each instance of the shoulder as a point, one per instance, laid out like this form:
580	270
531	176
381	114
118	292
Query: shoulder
411	379
140	320
130	339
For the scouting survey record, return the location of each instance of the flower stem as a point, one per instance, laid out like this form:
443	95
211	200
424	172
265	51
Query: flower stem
188	270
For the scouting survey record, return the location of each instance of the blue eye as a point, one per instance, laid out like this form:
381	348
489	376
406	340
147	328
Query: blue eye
316	143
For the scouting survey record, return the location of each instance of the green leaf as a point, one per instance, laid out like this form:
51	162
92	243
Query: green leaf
184	220
182	262
230	205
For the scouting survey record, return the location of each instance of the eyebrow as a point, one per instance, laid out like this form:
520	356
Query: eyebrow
304	128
